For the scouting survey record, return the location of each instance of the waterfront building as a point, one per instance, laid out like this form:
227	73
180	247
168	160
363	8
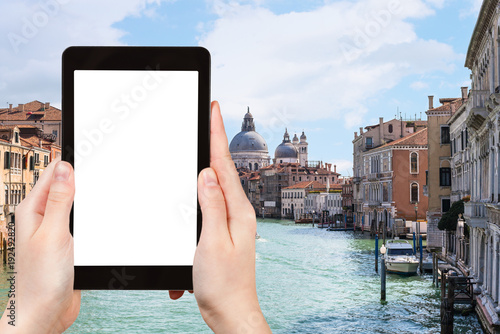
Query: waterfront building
273	178
481	119
371	137
347	206
438	183
392	182
248	148
460	152
42	115
23	162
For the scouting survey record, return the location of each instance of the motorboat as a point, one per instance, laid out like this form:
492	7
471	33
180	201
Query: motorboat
400	258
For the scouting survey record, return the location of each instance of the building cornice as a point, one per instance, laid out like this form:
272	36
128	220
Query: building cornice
483	22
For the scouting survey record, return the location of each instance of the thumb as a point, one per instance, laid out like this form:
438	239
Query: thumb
60	199
213	206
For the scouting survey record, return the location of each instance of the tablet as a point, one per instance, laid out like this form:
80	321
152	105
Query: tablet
136	130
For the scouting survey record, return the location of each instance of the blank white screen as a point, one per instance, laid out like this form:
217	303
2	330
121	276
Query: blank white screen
136	138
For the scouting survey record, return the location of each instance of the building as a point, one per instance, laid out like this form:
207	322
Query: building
293	198
326	204
479	158
392	183
294	151
273	178
371	137
35	113
347	203
248	148
23	162
438	184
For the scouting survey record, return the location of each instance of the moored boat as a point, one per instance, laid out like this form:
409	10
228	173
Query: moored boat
400	258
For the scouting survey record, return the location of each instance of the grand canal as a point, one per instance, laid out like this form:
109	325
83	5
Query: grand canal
309	281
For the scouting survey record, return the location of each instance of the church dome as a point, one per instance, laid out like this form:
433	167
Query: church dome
295	139
286	149
248	139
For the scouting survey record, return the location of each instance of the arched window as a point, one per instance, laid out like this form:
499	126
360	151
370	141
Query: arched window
255	166
414	163
390	128
250	166
414	193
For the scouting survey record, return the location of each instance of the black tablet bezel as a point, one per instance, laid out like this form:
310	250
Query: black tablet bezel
136	58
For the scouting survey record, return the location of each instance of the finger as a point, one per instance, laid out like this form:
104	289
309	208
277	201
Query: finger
213	208
31	210
175	294
59	200
220	159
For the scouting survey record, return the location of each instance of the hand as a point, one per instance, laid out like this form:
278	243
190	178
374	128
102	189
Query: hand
224	263
45	300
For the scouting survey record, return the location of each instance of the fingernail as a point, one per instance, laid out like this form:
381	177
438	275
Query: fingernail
61	172
210	178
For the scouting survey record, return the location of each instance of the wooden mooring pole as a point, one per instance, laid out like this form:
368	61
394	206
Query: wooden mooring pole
447	303
376	253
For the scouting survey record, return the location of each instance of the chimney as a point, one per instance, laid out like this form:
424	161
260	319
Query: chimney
355	134
431	101
21	106
381	129
10	107
335	168
464	92
360	131
47	105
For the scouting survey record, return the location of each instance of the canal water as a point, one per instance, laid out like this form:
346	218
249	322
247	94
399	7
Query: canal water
309	280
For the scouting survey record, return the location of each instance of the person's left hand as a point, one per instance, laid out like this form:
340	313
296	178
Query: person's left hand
44	298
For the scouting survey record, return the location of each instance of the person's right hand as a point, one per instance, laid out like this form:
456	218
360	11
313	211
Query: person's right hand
224	264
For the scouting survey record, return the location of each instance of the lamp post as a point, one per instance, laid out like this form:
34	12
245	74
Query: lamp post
417	225
382	274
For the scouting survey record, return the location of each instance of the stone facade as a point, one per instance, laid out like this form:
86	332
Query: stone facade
438	185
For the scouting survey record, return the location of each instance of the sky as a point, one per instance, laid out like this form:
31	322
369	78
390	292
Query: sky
323	67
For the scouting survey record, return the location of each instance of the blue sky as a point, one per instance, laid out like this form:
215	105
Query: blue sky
325	67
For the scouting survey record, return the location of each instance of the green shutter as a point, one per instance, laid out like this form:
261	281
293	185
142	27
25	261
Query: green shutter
32	163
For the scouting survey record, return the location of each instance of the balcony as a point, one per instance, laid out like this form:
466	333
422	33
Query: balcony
372	203
356	180
475	214
478	112
373	177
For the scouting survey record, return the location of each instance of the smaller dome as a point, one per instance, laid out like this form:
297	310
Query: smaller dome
286	150
295	139
303	136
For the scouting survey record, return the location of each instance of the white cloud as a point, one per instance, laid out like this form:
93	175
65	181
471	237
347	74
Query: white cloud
344	167
325	63
35	33
473	8
419	85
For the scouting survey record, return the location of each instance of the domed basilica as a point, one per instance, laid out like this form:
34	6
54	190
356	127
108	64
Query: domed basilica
248	148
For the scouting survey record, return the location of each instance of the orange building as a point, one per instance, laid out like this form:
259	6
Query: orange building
394	176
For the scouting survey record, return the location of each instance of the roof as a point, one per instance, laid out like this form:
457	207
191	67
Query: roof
307	185
34	140
486	14
34	110
418	138
447	104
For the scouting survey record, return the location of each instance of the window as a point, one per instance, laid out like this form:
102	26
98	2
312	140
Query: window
6	160
445	134
300	178
414	163
250	166
445	176
414	193
390	128
16	137
369	142
445	205
54	132
255	166
6	194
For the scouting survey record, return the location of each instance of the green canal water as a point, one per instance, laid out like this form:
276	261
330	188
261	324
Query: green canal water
308	280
